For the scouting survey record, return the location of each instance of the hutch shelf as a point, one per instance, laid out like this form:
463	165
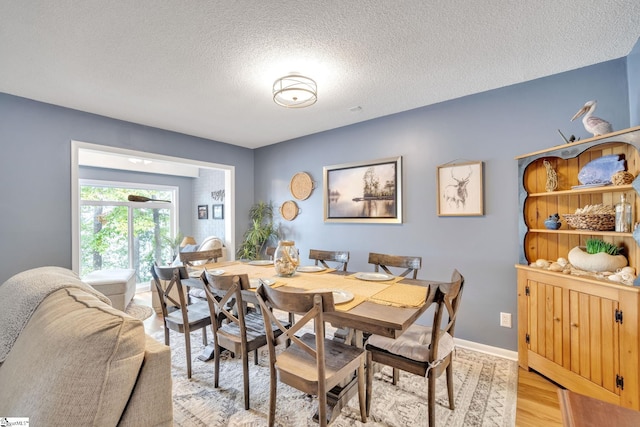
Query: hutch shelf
579	331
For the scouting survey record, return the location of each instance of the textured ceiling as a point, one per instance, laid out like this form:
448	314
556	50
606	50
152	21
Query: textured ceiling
206	68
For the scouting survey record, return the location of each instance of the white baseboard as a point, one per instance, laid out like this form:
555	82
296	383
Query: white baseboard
483	348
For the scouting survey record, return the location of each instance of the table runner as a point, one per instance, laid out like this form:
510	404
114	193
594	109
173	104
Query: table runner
386	293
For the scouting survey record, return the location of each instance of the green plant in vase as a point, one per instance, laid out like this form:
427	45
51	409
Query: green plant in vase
595	246
174	243
261	230
598	256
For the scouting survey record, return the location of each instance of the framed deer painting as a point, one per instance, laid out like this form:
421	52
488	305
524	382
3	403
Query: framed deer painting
460	189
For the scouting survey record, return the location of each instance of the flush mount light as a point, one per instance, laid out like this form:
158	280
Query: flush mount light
295	91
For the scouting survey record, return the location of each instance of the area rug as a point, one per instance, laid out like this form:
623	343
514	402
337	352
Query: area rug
141	312
485	389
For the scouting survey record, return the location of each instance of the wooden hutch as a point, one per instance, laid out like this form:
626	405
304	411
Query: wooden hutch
579	331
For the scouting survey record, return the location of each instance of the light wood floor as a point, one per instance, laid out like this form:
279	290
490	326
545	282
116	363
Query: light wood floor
537	396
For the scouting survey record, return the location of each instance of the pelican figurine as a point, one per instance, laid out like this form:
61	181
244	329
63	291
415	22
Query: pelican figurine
594	125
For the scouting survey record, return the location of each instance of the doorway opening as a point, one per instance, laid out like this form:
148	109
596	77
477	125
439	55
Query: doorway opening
112	160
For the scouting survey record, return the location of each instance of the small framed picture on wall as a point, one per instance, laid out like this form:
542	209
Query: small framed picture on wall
217	211
203	211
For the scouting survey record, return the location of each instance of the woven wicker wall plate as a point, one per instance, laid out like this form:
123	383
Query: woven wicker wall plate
289	210
301	185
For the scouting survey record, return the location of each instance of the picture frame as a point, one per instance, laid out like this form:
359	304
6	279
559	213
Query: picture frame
203	211
217	211
364	192
460	189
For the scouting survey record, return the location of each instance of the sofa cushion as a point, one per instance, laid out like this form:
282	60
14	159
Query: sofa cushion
74	363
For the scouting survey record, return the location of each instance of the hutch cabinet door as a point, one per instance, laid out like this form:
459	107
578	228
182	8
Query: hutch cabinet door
594	339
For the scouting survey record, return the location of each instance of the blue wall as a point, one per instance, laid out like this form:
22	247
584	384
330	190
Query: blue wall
35	172
493	127
633	74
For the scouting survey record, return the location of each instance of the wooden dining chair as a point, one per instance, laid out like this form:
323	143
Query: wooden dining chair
411	264
322	257
270	251
312	363
419	350
192	259
240	331
178	314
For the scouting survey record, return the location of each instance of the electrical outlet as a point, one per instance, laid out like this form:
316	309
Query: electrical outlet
505	320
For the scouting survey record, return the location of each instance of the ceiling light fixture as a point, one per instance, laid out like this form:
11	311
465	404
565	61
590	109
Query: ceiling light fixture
295	91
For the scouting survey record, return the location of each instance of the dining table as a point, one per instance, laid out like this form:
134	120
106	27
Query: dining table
365	302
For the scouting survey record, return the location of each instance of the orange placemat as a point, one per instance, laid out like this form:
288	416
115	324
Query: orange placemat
357	299
401	295
326	270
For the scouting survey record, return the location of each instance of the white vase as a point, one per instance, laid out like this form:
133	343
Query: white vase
596	262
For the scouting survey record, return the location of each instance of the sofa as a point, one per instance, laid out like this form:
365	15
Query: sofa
68	358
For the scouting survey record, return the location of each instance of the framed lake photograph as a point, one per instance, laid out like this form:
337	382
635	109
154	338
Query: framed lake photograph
367	192
460	189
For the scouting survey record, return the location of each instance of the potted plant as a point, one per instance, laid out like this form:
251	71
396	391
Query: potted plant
174	244
261	231
598	255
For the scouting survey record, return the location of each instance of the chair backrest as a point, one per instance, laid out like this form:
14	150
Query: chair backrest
270	251
411	264
191	258
221	291
452	299
321	257
447	299
173	275
310	305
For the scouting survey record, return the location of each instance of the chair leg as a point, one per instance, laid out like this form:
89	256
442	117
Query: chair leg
245	378
396	376
272	395
361	391
431	379
255	357
187	343
216	365
166	336
369	382
322	407
450	385
204	336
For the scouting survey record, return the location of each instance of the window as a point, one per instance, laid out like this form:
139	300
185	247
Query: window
118	233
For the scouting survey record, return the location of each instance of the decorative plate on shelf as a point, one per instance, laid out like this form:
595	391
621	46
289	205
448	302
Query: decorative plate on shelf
600	170
301	185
